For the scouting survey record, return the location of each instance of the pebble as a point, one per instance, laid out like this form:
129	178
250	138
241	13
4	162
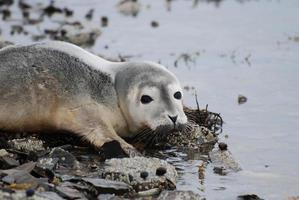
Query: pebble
3	152
154	24
30	192
222	146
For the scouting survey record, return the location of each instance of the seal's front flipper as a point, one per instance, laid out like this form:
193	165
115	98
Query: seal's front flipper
113	149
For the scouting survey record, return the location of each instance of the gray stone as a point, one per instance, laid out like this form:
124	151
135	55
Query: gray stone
68	191
224	160
7	162
65	158
128	170
3	153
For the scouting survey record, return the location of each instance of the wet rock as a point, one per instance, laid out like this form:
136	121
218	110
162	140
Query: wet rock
30	192
242	99
3	153
68	12
65	158
23	5
27	144
223	161
6	2
19	179
249	197
154	24
51	9
6	13
47	163
21	195
220	170
222	146
104	21
89	14
28	167
178	195
194	137
129	7
128	170
7	162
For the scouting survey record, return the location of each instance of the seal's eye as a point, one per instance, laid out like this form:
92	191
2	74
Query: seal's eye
177	95
145	99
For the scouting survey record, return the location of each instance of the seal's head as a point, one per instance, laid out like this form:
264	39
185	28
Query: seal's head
150	97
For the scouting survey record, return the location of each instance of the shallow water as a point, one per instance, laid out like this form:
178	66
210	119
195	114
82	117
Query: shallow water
236	48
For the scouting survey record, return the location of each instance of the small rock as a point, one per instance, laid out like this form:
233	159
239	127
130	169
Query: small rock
8	162
222	146
129	7
3	153
220	170
242	99
51	9
65	158
68	12
107	186
154	24
224	159
21	179
128	170
89	14
104	21
30	192
249	197
67	190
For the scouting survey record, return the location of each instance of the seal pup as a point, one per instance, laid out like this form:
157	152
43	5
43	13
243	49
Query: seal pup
60	86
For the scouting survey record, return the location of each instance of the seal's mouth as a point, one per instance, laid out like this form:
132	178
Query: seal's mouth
150	138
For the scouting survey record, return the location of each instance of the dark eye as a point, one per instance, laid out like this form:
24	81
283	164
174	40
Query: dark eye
177	95
145	99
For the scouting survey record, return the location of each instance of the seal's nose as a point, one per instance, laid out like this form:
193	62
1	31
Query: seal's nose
173	118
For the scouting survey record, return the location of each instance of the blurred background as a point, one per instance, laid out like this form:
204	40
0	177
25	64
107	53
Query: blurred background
241	57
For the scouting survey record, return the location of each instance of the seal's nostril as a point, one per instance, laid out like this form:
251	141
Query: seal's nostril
173	118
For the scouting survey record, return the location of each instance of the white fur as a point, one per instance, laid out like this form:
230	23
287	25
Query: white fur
92	60
154	114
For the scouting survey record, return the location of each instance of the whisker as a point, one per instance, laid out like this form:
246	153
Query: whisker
141	136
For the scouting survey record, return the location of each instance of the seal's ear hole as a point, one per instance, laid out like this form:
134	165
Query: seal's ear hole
177	95
145	99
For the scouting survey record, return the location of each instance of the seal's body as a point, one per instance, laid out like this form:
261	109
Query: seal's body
59	86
